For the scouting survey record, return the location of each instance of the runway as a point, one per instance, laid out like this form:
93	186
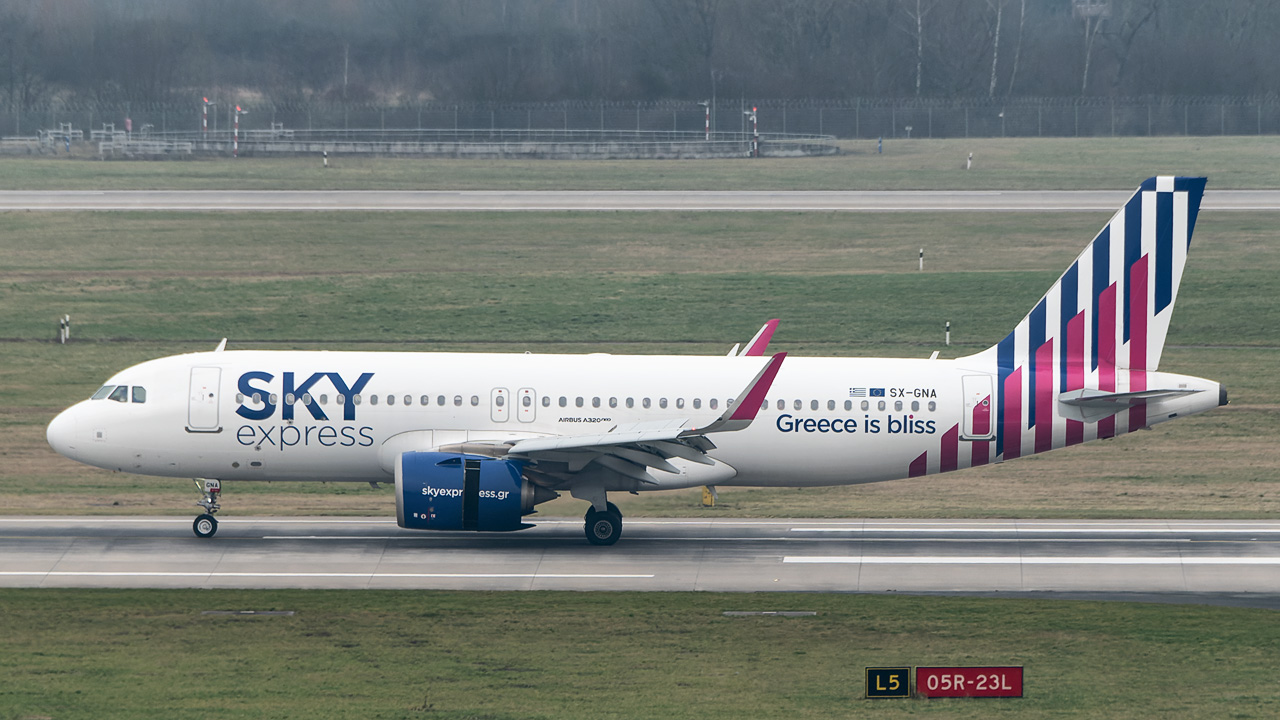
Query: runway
699	201
1205	560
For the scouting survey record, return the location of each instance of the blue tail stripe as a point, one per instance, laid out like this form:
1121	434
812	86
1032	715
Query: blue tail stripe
1101	279
1070	297
1164	250
1004	366
1035	338
1132	249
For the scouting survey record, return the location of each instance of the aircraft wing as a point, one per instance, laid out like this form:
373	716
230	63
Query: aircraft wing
632	449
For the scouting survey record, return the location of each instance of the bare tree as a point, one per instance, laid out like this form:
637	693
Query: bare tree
998	6
916	11
1095	13
1017	49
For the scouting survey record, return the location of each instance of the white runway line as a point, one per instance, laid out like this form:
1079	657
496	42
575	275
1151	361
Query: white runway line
1023	560
374	576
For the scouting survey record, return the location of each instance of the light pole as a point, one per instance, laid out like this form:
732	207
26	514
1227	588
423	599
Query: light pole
204	121
755	132
235	137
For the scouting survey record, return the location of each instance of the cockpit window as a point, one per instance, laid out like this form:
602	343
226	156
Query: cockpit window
139	394
103	391
120	394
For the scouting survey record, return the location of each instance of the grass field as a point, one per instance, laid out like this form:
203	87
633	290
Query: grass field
144	285
380	654
999	163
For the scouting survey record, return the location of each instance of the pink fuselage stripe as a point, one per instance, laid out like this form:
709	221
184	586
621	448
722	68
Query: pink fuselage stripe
981	453
1075	371
982	417
1011	396
919	466
950	457
1044	378
1107	353
1138	339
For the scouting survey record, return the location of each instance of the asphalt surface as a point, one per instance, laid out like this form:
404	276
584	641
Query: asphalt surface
1224	562
499	200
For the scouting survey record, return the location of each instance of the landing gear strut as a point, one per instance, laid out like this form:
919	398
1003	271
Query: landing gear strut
206	525
603	527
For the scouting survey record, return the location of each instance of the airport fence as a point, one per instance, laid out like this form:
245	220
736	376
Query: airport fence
847	119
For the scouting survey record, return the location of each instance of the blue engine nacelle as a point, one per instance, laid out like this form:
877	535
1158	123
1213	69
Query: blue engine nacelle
450	491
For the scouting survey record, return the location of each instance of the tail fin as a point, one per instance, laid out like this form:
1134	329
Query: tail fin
1102	325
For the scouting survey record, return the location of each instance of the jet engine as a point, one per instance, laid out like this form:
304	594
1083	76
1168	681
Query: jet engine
451	491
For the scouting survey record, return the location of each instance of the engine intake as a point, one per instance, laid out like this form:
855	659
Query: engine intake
451	491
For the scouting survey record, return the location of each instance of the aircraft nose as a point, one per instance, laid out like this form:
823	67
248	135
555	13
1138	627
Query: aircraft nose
61	432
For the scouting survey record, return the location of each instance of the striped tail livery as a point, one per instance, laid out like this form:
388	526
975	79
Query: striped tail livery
1083	364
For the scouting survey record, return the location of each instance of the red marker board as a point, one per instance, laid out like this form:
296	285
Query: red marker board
943	682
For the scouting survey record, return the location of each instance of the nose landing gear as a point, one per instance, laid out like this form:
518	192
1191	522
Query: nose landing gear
206	525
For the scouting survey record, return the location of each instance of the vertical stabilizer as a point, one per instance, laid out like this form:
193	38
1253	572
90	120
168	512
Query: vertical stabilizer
1102	325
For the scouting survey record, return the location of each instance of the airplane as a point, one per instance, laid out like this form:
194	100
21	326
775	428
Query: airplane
477	441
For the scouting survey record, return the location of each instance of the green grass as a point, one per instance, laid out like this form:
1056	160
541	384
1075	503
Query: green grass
999	163
381	654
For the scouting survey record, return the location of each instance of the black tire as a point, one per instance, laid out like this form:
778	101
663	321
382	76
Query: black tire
205	526
603	528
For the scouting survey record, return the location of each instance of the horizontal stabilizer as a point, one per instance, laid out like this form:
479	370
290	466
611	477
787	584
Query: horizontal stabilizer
1092	405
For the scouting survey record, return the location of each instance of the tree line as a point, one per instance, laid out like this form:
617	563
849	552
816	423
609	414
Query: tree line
411	51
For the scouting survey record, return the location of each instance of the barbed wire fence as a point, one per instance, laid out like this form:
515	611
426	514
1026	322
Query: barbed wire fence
844	119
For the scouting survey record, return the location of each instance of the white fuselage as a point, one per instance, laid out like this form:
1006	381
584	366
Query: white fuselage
346	416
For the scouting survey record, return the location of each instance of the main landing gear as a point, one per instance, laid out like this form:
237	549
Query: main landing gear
603	527
206	525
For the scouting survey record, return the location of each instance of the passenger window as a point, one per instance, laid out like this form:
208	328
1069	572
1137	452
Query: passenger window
340	399
425	400
103	391
527	401
880	406
613	402
356	399
373	399
564	401
631	402
595	402
932	406
662	403
546	401
645	402
275	399
679	403
848	404
577	402
139	394
457	401
813	404
408	399
831	404
697	403
288	398
324	399
764	404
500	401
440	400
306	398
915	405
798	404
475	400
867	406
239	398
391	399
712	403
897	405
782	404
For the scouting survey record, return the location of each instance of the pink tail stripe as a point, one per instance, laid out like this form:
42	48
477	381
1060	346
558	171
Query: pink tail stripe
1044	391
1012	429
981	453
